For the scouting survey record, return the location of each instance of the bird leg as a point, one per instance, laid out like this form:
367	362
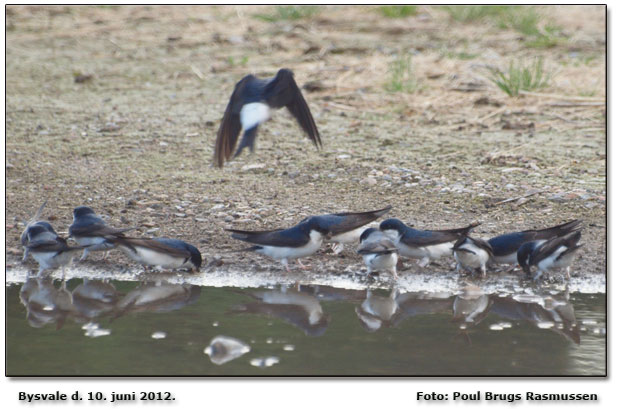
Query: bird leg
303	266
26	253
424	262
85	255
337	248
483	267
568	273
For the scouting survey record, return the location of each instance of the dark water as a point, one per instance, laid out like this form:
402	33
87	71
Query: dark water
126	328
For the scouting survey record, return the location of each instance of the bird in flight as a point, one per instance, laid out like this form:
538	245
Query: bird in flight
250	105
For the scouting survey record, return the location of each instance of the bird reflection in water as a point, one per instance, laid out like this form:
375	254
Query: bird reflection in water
377	311
45	304
545	311
92	299
297	308
157	297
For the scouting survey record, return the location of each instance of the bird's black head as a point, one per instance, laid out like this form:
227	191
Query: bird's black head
392	224
523	256
314	224
367	233
45	225
82	211
195	256
285	72
35	230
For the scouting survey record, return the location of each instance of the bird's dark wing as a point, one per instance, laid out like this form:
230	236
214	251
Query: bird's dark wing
547	248
482	244
459	231
97	229
283	91
348	221
291	237
509	243
559	230
416	238
38	213
155	246
230	127
58	245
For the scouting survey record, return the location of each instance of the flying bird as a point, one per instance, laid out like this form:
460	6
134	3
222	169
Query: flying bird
89	230
505	246
553	254
424	245
378	251
250	106
296	242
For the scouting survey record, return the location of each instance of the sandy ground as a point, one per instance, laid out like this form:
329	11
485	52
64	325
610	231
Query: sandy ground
117	108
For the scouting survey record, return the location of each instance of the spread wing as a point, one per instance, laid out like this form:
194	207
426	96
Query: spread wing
283	91
227	135
292	237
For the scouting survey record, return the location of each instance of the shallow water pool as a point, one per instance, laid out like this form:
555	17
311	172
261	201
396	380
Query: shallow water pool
89	326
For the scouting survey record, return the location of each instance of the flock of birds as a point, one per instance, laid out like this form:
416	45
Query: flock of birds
250	105
547	249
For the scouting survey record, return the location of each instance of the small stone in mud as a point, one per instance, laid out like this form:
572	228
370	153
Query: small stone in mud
368	181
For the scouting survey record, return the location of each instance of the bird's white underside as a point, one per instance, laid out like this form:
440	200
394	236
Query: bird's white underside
253	114
432	252
285	253
147	256
474	260
381	263
94	243
552	263
49	260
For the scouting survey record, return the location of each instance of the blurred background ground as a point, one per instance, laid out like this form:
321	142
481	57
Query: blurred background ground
117	108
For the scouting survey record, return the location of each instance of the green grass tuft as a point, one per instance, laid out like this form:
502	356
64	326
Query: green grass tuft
241	62
469	14
289	13
398	11
521	77
523	19
402	76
